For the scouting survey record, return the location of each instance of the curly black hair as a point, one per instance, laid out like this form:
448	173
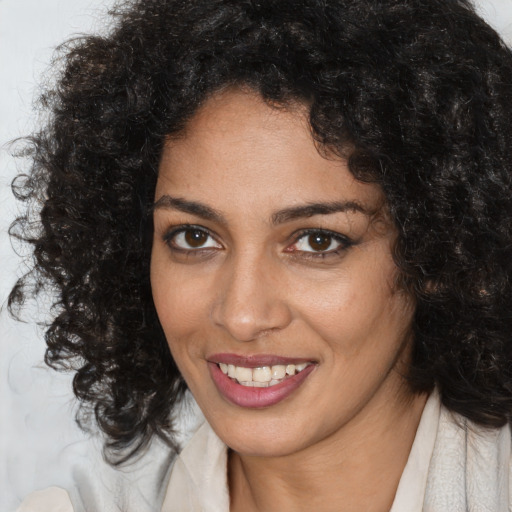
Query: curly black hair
417	94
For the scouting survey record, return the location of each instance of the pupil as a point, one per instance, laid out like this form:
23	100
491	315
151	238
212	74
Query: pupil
319	242
195	237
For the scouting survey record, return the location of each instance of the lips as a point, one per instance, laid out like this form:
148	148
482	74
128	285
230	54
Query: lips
257	381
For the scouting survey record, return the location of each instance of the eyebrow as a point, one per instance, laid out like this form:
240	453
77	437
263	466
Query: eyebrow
192	207
279	217
310	210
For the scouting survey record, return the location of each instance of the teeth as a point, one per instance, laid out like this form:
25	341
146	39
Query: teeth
263	376
243	374
260	384
278	371
252	384
290	369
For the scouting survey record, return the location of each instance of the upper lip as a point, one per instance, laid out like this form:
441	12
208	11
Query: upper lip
256	360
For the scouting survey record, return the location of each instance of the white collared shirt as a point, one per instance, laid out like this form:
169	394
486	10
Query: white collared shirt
453	466
198	481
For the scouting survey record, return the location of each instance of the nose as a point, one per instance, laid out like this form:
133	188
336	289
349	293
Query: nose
252	300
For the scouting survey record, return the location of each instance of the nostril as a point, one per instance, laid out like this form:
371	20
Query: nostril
248	321
249	304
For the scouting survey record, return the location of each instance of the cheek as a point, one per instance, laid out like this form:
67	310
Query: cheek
179	301
179	310
358	309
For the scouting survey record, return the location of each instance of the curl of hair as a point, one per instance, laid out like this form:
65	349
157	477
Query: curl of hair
419	89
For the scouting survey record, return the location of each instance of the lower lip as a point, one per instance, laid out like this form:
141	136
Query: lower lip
255	398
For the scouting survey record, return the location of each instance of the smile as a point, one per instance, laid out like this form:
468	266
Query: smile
262	377
258	381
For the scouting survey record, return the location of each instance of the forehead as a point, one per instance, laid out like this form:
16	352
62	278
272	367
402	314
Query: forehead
238	150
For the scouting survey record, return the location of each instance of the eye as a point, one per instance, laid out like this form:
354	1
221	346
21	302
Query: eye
191	238
319	243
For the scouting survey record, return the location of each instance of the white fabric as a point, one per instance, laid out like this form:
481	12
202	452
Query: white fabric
138	487
411	488
470	470
198	480
53	498
199	477
98	487
454	466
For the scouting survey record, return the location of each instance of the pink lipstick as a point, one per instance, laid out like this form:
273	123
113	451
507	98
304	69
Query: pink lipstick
257	381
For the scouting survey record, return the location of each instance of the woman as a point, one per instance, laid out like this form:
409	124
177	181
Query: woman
300	211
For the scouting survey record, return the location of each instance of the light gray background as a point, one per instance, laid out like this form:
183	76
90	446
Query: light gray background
38	437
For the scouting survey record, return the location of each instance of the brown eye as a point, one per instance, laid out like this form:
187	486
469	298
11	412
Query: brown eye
190	239
319	241
195	237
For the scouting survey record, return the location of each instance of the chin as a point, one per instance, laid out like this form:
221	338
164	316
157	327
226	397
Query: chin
263	437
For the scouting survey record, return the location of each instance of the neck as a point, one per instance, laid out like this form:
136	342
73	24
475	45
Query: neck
358	467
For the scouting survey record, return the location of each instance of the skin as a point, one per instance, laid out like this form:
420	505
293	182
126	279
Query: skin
257	286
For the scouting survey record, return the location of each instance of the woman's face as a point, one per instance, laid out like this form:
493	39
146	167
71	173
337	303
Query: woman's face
272	263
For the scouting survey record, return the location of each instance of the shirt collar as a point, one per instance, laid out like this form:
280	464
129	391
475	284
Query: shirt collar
199	481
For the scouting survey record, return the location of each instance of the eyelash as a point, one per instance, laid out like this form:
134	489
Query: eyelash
343	241
170	237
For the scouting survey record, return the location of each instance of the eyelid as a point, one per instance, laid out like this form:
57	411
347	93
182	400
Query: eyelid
344	242
171	234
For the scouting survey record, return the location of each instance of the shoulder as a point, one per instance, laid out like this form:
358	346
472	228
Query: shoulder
52	499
